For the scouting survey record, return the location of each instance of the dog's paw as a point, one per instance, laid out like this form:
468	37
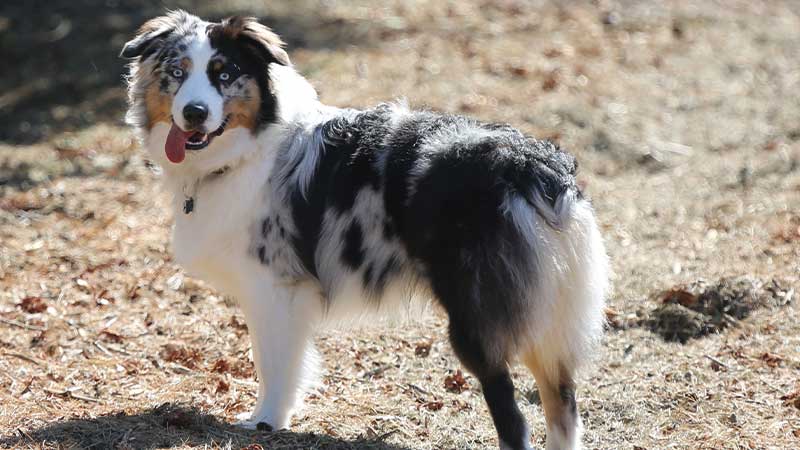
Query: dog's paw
246	421
253	425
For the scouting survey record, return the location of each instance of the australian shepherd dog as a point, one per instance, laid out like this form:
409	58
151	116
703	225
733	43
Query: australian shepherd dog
307	213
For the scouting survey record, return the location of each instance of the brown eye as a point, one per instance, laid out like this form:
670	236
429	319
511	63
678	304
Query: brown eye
224	76
177	73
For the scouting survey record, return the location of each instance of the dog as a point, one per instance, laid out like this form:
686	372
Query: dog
307	213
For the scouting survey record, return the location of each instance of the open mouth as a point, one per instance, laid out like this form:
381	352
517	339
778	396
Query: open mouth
178	141
199	141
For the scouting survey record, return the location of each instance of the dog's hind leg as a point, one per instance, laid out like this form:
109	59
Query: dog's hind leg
571	284
491	370
280	328
557	391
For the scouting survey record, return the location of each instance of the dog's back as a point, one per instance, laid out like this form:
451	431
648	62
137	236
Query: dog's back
488	219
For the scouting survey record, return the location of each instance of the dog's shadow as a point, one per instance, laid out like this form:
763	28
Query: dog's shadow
171	425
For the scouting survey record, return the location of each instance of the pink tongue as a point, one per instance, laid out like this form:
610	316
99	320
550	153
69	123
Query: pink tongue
176	143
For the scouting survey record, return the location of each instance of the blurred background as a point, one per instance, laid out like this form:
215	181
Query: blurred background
67	74
684	116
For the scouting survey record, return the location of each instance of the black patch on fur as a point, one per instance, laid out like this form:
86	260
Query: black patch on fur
392	265
498	391
266	227
347	164
402	155
232	69
567	394
247	61
388	229
307	214
492	372
457	228
353	251
375	278
355	143
262	255
367	278
167	54
163	85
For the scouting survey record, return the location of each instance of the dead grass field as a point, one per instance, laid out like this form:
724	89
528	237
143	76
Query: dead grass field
685	117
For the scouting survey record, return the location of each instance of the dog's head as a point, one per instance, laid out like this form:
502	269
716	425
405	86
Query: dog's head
193	82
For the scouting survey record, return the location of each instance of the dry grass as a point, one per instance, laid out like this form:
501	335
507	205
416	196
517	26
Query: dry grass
683	115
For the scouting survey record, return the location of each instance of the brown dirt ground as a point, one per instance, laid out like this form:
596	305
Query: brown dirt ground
684	116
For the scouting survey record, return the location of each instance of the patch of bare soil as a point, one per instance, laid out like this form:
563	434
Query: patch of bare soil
700	308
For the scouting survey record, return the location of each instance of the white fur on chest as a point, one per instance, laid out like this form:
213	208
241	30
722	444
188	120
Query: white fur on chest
213	242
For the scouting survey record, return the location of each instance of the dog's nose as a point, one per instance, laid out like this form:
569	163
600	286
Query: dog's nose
195	114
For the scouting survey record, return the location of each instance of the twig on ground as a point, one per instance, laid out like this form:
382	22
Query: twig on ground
24	357
629	380
14	323
70	394
177	368
715	360
102	349
25	434
376	371
118	350
247	383
418	389
386	435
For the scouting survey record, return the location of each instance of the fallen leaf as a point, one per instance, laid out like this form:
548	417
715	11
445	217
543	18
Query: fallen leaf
423	349
108	336
33	305
222	387
236	323
434	405
456	382
253	447
550	82
236	368
182	355
518	71
792	399
680	296
771	359
221	366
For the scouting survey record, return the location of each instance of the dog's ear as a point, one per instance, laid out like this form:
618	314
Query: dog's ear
151	35
249	32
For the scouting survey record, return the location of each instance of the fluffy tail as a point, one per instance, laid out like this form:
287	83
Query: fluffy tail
571	273
566	321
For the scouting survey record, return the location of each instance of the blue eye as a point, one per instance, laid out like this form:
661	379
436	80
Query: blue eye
177	73
224	76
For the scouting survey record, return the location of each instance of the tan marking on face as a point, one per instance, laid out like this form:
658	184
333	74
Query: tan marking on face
186	64
242	103
158	105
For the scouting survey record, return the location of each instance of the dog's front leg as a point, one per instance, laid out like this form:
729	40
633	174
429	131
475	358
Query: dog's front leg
280	320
